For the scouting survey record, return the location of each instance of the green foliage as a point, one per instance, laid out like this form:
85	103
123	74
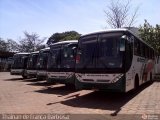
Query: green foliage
12	45
8	46
30	42
69	35
3	45
151	35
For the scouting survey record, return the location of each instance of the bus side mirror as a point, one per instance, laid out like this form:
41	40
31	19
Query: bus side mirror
74	50
122	43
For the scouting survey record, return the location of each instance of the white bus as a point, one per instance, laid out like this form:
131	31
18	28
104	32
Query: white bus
42	63
19	64
61	62
32	64
113	60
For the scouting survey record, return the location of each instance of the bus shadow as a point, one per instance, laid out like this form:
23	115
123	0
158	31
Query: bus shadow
30	80
22	79
104	100
14	79
60	90
44	83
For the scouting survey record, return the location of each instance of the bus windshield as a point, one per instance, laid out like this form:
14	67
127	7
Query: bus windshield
32	61
100	51
18	62
42	60
68	56
54	57
62	56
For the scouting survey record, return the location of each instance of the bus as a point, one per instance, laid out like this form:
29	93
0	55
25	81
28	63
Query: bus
61	62
19	64
42	63
114	60
32	64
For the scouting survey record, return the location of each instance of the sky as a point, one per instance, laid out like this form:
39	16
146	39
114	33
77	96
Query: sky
46	17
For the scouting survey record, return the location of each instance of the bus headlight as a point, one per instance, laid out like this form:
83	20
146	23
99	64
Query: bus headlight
117	78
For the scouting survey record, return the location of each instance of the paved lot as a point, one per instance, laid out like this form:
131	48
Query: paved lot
32	96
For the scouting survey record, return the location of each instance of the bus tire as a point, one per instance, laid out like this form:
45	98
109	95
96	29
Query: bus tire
136	82
24	77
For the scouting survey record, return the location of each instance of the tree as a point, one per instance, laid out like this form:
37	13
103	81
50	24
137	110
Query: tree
118	14
151	35
31	42
3	45
69	35
9	45
12	45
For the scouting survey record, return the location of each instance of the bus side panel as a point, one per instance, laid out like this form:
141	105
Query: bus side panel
130	75
143	68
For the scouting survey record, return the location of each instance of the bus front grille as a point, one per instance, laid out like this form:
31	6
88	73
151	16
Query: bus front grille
104	81
88	80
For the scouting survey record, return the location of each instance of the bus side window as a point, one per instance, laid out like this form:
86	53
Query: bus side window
136	47
150	53
146	52
141	49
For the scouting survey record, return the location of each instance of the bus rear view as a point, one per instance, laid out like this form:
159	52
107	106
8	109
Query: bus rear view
107	61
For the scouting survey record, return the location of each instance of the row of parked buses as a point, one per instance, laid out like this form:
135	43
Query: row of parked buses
113	60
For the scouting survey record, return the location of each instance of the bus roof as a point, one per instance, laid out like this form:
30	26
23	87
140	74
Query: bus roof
118	30
22	53
36	52
45	49
63	42
106	31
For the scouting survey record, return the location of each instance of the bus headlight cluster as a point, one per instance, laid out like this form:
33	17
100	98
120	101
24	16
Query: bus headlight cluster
117	78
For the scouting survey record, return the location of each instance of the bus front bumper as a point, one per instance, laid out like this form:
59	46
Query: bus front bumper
118	86
61	77
41	74
16	71
32	73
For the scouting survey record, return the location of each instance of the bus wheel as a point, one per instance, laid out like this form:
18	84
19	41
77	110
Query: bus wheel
24	77
136	82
